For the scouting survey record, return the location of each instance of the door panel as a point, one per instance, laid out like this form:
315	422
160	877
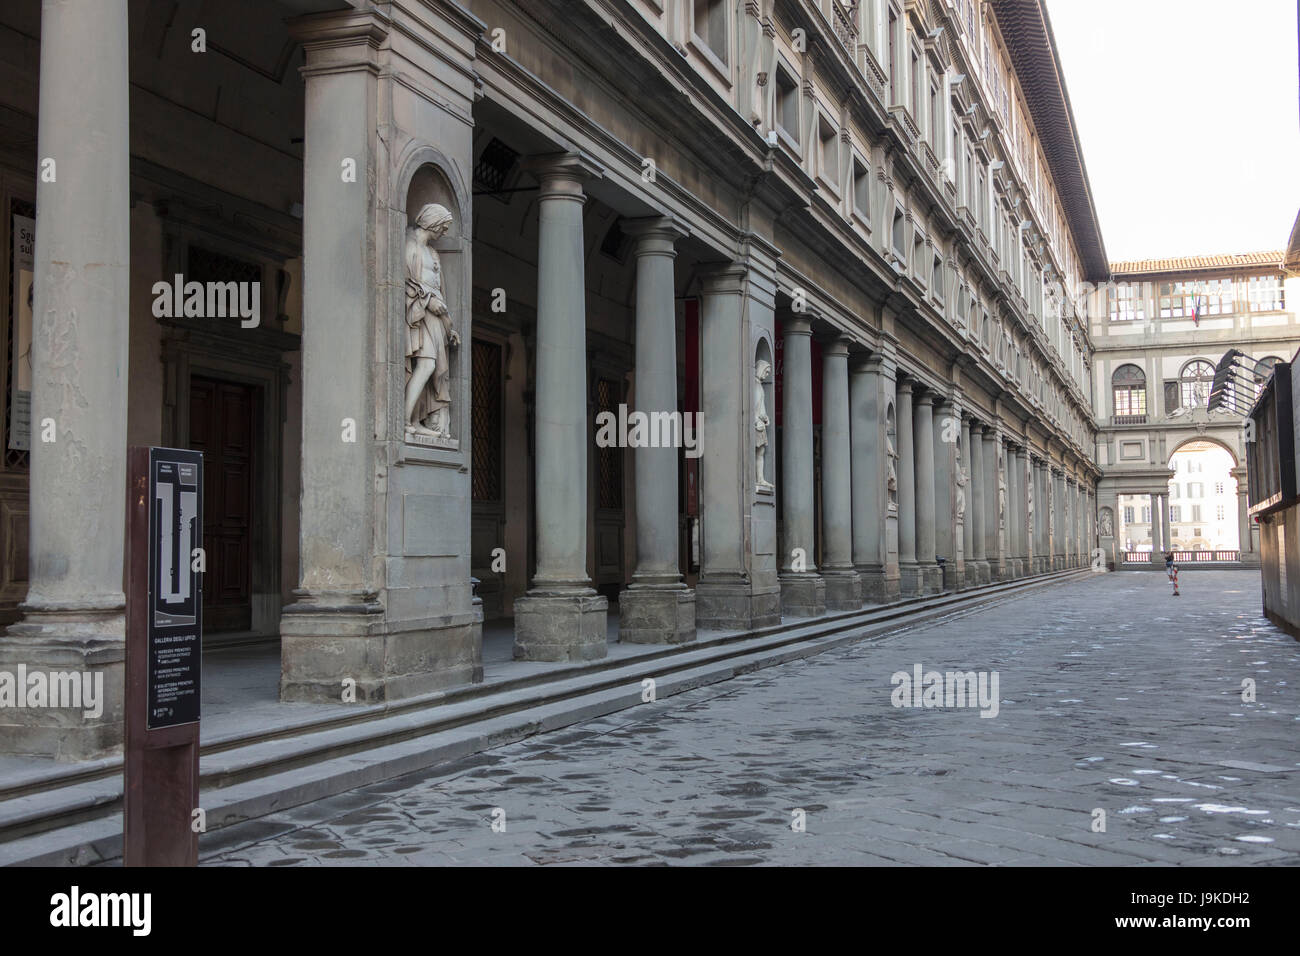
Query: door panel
221	426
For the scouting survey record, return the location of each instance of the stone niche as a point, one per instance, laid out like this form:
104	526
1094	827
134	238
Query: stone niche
435	624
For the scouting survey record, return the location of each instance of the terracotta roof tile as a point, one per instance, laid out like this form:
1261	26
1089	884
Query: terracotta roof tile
1234	260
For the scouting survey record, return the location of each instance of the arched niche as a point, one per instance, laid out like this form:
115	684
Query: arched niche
430	184
765	391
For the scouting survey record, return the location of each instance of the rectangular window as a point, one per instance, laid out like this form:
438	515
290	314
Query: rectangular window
787	104
711	26
1130	400
936	281
897	233
1218	512
916	88
1175	513
862	189
893	59
828	152
936	117
1196	512
1125	303
1146	514
1128	514
1265	294
1218	487
1175	300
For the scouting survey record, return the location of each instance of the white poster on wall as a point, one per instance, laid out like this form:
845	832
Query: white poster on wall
20	382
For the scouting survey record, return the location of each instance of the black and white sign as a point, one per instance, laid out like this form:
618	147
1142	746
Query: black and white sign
175	586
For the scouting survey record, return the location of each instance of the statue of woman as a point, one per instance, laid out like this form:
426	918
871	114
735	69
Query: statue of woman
429	332
762	373
961	482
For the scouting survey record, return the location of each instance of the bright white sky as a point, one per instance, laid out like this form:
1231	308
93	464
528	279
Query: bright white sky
1189	115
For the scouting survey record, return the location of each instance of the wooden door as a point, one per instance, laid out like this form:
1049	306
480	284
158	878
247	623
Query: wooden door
221	426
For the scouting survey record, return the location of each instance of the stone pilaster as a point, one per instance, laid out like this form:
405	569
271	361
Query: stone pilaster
803	591
911	579
947	434
875	515
561	617
843	586
978	505
74	612
926	535
994	513
738	587
657	607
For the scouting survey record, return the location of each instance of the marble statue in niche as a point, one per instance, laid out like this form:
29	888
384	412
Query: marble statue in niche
1107	523
430	335
961	482
1002	490
762	375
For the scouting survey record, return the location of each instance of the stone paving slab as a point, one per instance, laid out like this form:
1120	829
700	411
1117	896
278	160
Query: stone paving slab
1112	696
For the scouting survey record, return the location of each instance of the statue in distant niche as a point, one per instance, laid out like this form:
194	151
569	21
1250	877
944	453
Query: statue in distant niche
1029	503
429	332
892	482
762	375
1107	523
1002	490
961	481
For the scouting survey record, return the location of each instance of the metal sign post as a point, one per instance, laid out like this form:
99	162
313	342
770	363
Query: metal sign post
164	643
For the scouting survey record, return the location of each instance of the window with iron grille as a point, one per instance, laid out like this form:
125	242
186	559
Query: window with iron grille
485	421
609	461
15	459
207	265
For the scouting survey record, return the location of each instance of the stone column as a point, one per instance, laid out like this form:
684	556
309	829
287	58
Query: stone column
932	577
978	508
737	588
1067	515
875	517
1042	517
657	607
1157	531
843	587
803	591
1058	519
1013	513
947	433
993	516
561	617
1247	539
910	577
73	614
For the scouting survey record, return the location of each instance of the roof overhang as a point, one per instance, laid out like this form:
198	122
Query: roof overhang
1027	32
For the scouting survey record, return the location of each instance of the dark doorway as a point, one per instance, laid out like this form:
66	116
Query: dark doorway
221	426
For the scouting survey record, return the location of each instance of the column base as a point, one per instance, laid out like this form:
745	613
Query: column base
731	603
321	646
90	644
649	615
911	580
560	626
879	583
843	590
803	595
933	578
1000	570
953	575
1249	559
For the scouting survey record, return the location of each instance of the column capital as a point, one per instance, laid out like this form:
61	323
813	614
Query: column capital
655	235
925	397
562	174
906	383
796	325
722	277
838	347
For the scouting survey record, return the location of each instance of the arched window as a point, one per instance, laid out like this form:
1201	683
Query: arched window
1194	383
1129	386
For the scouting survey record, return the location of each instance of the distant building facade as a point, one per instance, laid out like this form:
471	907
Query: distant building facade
1158	330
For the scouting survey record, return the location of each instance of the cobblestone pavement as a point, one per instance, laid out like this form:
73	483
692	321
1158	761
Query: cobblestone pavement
1114	696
